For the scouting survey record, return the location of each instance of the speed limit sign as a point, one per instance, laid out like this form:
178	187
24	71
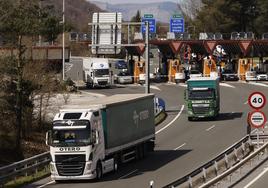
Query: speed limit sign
256	100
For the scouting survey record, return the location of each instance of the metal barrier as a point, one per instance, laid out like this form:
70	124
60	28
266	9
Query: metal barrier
235	167
201	174
24	167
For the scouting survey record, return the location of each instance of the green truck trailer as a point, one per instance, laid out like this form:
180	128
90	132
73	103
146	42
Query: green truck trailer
202	97
90	139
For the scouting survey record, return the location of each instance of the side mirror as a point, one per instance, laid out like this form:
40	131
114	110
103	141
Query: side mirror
95	137
48	138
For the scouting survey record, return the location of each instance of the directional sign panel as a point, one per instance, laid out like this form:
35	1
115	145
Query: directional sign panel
152	25
257	119
256	100
176	25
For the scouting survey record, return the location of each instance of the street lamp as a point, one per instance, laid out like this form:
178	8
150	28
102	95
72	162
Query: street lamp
63	40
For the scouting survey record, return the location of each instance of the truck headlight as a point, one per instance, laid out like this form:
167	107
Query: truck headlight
190	112
53	169
88	168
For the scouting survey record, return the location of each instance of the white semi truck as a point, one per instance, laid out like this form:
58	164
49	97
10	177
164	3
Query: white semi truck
91	139
96	71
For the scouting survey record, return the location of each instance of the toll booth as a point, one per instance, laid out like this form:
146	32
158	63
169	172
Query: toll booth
244	65
174	67
139	68
209	65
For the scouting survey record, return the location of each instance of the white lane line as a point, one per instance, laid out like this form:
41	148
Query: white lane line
170	123
258	177
183	85
155	87
128	174
258	84
46	184
180	146
246	102
226	85
208	129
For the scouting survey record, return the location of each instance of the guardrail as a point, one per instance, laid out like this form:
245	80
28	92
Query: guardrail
23	168
235	167
214	166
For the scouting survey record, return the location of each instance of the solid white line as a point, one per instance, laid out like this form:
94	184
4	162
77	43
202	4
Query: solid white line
180	146
155	87
128	174
170	123
208	129
46	184
246	102
226	85
255	179
258	84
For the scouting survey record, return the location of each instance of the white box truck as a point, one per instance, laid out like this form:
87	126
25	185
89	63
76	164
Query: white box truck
90	139
96	72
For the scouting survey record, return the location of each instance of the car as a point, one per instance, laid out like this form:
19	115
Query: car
229	75
124	78
251	76
194	73
261	75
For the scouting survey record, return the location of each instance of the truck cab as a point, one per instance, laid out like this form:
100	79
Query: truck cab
74	137
97	72
202	97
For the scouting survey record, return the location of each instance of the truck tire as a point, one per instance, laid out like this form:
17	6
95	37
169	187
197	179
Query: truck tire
98	171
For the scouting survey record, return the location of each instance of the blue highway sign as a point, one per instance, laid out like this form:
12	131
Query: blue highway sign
176	25
152	25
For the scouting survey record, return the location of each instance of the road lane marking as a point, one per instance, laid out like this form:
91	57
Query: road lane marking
183	85
170	123
258	177
226	85
208	129
128	174
155	87
258	84
46	184
246	102
180	146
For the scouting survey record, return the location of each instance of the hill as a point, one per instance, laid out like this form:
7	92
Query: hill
77	12
161	11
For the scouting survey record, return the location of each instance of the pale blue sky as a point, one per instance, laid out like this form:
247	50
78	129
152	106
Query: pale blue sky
133	1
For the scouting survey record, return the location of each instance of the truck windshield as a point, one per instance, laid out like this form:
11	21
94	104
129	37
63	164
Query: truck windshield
101	72
77	135
201	94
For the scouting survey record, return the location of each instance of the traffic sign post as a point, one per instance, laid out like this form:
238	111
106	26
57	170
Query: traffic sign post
257	100
176	24
152	23
257	118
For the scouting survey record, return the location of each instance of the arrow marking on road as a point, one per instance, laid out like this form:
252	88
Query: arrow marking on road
170	123
258	177
180	146
208	129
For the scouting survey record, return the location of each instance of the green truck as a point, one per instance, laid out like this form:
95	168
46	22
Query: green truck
202	97
90	139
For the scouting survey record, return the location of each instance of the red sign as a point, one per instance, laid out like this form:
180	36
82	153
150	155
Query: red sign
256	100
256	119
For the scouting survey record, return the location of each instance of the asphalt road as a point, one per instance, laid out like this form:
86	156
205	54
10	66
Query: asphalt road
181	146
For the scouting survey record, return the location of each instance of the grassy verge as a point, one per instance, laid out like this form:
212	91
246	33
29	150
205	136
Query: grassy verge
19	182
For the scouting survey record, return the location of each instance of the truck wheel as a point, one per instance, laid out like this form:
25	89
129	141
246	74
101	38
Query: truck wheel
98	171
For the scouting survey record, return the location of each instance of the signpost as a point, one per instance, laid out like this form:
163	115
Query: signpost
176	24
152	24
257	118
257	100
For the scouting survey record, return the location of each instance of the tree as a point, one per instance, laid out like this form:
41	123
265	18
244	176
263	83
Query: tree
20	23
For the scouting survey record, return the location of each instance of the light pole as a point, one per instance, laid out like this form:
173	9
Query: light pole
63	40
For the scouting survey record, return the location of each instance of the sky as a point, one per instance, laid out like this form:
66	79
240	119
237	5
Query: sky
133	1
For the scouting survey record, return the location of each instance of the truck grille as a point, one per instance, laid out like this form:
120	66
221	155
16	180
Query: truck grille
70	165
102	82
200	110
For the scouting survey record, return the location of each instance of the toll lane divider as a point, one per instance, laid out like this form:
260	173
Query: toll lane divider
216	166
